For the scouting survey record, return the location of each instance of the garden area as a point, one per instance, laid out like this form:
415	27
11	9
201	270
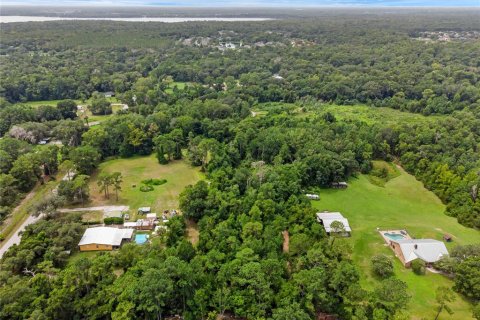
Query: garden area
401	203
145	183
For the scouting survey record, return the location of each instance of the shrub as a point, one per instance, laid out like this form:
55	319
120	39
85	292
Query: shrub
113	220
146	188
418	266
382	266
91	223
154	182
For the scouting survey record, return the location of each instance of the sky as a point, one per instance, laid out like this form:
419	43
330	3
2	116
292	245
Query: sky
258	3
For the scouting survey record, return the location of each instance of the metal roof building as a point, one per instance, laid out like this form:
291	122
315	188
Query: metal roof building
327	218
104	238
428	250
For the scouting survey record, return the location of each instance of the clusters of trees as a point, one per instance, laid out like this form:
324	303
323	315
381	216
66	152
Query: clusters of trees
22	166
256	166
105	181
464	262
11	115
237	267
372	62
99	105
445	155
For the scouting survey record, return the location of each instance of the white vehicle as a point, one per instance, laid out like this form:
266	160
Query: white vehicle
313	196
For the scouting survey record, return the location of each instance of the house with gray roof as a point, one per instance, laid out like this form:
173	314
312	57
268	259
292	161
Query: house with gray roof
428	250
104	238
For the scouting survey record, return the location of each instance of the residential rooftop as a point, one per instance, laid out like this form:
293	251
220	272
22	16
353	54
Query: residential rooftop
105	235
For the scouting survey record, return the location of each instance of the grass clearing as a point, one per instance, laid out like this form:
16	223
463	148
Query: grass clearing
373	115
364	113
178	174
403	203
76	256
92	216
179	85
36	104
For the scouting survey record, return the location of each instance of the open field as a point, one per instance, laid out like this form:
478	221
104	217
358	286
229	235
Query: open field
36	104
92	216
179	85
367	114
403	203
372	115
178	174
92	117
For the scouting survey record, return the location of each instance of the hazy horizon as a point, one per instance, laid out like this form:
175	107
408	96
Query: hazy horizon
248	3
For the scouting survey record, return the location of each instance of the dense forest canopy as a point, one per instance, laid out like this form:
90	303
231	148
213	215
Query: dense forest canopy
247	103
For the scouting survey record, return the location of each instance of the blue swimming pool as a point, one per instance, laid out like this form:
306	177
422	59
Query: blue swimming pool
141	238
394	236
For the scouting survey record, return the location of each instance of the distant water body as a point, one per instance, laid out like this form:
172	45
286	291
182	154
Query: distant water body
10	19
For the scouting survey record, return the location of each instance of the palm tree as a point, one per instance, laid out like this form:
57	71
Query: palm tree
104	182
116	180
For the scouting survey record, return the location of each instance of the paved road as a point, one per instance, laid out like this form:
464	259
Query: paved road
15	239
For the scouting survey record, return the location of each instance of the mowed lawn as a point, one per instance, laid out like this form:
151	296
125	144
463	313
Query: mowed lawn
403	203
178	174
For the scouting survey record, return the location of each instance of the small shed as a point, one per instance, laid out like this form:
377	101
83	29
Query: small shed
312	196
151	216
447	238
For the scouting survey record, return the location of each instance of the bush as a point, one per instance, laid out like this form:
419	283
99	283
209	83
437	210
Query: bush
91	223
113	220
382	266
146	188
418	266
154	182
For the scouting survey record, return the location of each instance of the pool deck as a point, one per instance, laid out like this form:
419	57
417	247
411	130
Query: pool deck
403	233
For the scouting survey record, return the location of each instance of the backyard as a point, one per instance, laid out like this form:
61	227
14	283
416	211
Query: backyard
402	203
178	174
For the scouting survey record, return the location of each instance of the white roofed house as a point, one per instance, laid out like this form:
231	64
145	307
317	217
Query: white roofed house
428	250
104	238
327	219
